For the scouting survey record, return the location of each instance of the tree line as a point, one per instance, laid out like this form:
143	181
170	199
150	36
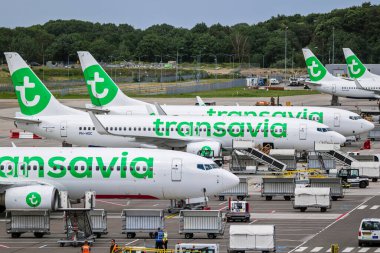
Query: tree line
261	44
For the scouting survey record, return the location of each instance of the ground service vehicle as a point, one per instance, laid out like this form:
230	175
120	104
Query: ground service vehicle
369	231
353	178
238	210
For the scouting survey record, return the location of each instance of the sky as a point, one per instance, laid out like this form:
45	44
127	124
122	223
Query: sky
145	13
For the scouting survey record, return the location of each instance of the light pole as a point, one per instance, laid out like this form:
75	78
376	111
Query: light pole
263	61
286	34
333	49
292	59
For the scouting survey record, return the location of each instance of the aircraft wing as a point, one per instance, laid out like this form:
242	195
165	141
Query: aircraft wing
159	109
6	183
95	110
167	140
312	83
200	101
22	120
360	87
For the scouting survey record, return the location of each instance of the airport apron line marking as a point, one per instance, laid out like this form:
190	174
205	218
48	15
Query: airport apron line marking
222	203
348	213
43	246
171	216
3	246
223	208
131	242
155	204
253	222
112	203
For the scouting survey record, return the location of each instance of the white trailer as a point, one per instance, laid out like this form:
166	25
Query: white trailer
369	170
240	191
252	238
142	221
312	197
28	221
206	221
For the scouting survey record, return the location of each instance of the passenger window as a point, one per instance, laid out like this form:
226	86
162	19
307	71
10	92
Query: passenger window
118	168
29	167
93	128
35	167
84	128
137	168
80	128
144	168
125	129
111	128
76	168
97	168
144	129
120	128
82	168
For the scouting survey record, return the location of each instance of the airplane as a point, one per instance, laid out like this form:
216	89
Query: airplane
43	115
107	98
323	81
356	68
31	177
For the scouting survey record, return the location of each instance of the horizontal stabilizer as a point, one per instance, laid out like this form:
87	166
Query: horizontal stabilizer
95	110
21	120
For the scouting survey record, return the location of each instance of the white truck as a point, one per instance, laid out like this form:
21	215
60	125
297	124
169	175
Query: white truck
238	210
252	238
369	170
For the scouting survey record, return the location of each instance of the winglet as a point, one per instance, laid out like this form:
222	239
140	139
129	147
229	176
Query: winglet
150	110
159	109
98	125
200	101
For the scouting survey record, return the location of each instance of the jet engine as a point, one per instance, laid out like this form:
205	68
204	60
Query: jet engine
30	197
207	149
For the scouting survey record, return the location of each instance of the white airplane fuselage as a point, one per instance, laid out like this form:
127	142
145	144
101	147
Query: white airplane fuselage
115	173
342	121
174	131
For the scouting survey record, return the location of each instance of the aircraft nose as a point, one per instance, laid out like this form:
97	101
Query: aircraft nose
339	139
230	180
368	126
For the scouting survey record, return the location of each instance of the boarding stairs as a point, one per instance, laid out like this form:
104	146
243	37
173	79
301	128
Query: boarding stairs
332	151
263	158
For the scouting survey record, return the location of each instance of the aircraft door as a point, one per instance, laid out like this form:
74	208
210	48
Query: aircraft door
63	129
176	169
336	119
303	131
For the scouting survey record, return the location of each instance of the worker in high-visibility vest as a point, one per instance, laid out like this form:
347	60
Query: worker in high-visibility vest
159	235
86	248
114	247
165	240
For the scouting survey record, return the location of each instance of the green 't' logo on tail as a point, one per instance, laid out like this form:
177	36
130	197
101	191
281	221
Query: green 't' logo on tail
315	69
100	86
32	95
33	199
355	68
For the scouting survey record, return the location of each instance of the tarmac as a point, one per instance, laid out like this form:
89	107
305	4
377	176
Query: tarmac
311	231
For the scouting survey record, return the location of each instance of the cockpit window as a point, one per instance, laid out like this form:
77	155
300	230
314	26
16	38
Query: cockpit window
207	166
355	117
323	129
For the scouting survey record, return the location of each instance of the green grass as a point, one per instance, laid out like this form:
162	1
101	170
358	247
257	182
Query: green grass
232	92
237	92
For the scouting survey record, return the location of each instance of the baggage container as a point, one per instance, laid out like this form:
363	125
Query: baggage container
312	197
28	221
272	187
209	222
374	134
99	222
252	238
335	184
142	221
240	191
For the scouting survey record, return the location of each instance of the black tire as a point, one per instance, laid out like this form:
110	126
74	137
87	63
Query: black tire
211	236
287	198
189	235
362	184
240	198
360	244
16	235
303	209
98	235
247	220
374	179
334	198
228	220
323	209
2	209
62	244
38	235
151	235
221	198
268	198
131	235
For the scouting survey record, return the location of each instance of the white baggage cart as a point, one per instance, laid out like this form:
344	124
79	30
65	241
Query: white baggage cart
99	222
142	221
312	197
252	238
209	222
28	221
